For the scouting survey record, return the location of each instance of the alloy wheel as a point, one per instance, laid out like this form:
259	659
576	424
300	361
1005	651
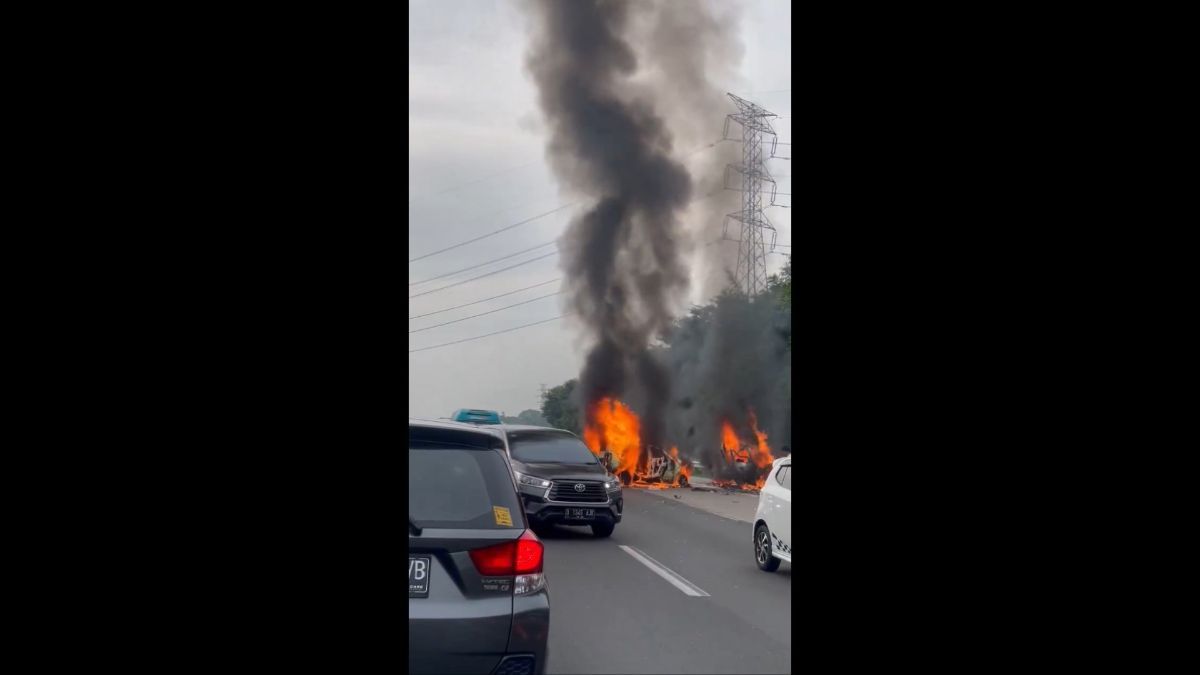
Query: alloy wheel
763	549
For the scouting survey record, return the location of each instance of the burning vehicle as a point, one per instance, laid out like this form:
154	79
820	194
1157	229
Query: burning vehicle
746	464
614	436
665	469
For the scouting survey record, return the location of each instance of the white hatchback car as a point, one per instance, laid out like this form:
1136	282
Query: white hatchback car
773	518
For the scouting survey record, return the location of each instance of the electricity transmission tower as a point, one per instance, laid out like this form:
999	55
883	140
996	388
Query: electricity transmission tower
751	271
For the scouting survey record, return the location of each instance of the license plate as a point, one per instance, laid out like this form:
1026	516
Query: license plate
581	514
418	576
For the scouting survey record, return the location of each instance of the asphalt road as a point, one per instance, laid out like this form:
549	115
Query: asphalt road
611	613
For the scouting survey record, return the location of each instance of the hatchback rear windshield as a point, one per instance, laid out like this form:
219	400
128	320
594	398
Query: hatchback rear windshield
454	487
548	447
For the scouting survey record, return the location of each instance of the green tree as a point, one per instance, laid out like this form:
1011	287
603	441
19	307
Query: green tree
530	417
780	286
559	409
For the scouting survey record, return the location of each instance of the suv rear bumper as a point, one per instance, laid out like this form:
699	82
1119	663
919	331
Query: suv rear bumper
542	512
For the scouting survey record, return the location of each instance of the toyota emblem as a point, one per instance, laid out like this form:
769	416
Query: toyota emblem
580	487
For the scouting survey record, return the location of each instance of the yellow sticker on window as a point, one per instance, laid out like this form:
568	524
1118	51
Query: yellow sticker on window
503	517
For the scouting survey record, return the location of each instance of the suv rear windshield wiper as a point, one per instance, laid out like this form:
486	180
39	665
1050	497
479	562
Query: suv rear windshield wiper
413	527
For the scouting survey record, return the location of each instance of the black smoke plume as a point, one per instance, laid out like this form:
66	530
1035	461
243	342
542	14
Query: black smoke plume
624	269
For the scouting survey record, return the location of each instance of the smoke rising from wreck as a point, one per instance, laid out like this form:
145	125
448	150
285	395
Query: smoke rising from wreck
731	360
624	89
624	271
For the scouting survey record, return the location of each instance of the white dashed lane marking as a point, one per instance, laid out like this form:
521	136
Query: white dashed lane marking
663	571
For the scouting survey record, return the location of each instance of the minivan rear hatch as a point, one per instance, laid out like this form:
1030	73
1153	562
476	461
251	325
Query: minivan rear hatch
461	499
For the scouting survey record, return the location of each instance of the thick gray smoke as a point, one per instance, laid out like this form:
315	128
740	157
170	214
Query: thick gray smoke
689	57
729	359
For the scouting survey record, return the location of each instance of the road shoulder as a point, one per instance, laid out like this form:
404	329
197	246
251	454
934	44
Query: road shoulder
739	507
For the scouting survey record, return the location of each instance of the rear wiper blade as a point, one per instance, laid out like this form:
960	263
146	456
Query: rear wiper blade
413	527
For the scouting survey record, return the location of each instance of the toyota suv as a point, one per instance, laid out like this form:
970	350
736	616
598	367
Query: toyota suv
477	598
560	480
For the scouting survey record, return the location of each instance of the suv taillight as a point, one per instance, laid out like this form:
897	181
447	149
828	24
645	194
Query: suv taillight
523	556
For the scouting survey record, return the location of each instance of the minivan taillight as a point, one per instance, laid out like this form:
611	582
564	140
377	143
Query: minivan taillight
523	556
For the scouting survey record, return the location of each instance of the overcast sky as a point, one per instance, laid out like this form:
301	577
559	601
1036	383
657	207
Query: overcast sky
477	163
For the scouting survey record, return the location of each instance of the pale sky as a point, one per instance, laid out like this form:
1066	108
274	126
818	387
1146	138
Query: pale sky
477	163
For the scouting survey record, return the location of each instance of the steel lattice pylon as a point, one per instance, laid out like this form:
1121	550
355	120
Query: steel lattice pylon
751	271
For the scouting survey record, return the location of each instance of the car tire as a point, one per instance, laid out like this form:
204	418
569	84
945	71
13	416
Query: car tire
762	549
541	530
601	530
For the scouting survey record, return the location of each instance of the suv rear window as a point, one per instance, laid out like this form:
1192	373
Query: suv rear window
548	447
455	487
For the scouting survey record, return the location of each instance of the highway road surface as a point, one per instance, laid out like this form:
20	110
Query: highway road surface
673	590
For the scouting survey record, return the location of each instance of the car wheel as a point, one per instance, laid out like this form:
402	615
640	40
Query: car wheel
762	549
601	530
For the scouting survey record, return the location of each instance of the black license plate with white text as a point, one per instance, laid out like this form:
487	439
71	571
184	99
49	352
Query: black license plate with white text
418	576
581	514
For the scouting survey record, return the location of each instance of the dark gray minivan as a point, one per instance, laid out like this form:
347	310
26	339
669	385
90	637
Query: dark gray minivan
561	481
477	597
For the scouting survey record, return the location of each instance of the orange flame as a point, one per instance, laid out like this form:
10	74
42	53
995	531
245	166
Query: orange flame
730	443
685	468
762	456
611	424
759	454
591	438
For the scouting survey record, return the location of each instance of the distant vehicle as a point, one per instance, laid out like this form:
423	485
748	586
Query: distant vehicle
561	481
773	518
477	597
476	416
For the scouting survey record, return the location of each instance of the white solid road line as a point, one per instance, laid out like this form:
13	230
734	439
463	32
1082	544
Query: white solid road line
661	570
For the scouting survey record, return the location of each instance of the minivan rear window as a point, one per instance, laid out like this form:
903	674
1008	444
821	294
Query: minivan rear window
454	487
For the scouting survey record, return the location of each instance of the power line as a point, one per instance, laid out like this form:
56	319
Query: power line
696	199
491	311
471	267
489	234
468	304
555	210
490	176
504	172
488	274
478	337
